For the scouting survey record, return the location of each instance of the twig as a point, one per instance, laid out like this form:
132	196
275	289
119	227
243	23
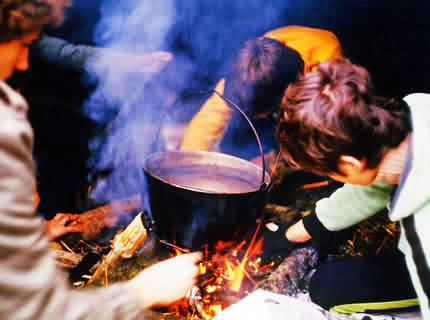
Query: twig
247	274
314	185
106	273
275	164
66	246
384	241
174	246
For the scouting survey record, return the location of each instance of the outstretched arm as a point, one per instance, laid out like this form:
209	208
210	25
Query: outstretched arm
346	207
75	57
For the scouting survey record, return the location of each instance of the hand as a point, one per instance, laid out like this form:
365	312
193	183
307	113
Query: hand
58	226
168	281
276	246
148	63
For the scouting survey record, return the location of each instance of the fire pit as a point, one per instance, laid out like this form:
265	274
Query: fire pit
231	270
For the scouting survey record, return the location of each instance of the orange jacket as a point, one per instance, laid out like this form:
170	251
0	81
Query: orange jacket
314	45
207	127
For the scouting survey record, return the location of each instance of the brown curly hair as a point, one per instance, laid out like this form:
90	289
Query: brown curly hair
18	17
334	111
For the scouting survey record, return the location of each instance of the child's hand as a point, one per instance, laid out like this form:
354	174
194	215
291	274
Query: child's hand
59	225
276	246
167	281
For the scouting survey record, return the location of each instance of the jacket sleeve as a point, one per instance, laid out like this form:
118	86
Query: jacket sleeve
348	206
80	58
31	287
64	54
207	127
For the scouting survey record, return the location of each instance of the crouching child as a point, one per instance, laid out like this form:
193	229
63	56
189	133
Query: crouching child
332	123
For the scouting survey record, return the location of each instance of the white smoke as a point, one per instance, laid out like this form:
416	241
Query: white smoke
196	36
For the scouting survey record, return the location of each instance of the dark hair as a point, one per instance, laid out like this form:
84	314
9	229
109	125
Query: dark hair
259	74
334	111
18	17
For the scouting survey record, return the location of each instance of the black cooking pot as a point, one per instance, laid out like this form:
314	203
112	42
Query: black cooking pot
200	197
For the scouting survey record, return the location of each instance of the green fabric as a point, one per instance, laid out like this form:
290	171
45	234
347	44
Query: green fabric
362	307
352	204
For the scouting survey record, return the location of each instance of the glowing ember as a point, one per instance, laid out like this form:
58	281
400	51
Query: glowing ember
211	312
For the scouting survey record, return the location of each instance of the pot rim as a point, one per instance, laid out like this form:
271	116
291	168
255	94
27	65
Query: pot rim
211	154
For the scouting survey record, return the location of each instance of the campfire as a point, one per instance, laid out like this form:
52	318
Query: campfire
230	271
226	276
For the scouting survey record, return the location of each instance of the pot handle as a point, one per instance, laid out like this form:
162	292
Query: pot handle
231	103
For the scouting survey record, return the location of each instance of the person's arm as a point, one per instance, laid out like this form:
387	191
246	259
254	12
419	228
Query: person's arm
207	127
62	53
31	287
346	207
75	57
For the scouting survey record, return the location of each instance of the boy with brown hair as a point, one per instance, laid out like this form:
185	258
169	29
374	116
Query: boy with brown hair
30	285
332	123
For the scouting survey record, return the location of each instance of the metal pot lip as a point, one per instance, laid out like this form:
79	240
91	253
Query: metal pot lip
206	155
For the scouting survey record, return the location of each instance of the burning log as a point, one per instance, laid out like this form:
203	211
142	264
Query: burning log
124	245
93	221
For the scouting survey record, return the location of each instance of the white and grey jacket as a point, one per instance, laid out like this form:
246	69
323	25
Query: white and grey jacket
409	203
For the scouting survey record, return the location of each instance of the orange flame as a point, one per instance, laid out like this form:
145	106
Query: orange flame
238	272
178	252
225	269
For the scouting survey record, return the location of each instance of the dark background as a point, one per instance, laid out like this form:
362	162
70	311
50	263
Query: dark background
389	38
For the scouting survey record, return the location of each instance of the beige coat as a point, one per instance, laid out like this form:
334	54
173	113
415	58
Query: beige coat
31	287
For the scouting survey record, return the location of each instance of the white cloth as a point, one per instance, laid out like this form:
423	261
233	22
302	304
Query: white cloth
262	305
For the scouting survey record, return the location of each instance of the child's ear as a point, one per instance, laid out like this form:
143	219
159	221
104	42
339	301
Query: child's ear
349	164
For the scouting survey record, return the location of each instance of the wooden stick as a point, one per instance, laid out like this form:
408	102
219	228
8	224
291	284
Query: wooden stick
275	164
106	273
67	259
66	246
314	185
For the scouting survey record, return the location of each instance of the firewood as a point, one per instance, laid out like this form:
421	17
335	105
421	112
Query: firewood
124	245
67	259
93	221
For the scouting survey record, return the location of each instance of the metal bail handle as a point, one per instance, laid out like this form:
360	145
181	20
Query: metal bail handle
231	103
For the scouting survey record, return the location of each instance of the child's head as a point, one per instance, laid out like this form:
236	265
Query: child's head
259	74
20	17
20	24
333	114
